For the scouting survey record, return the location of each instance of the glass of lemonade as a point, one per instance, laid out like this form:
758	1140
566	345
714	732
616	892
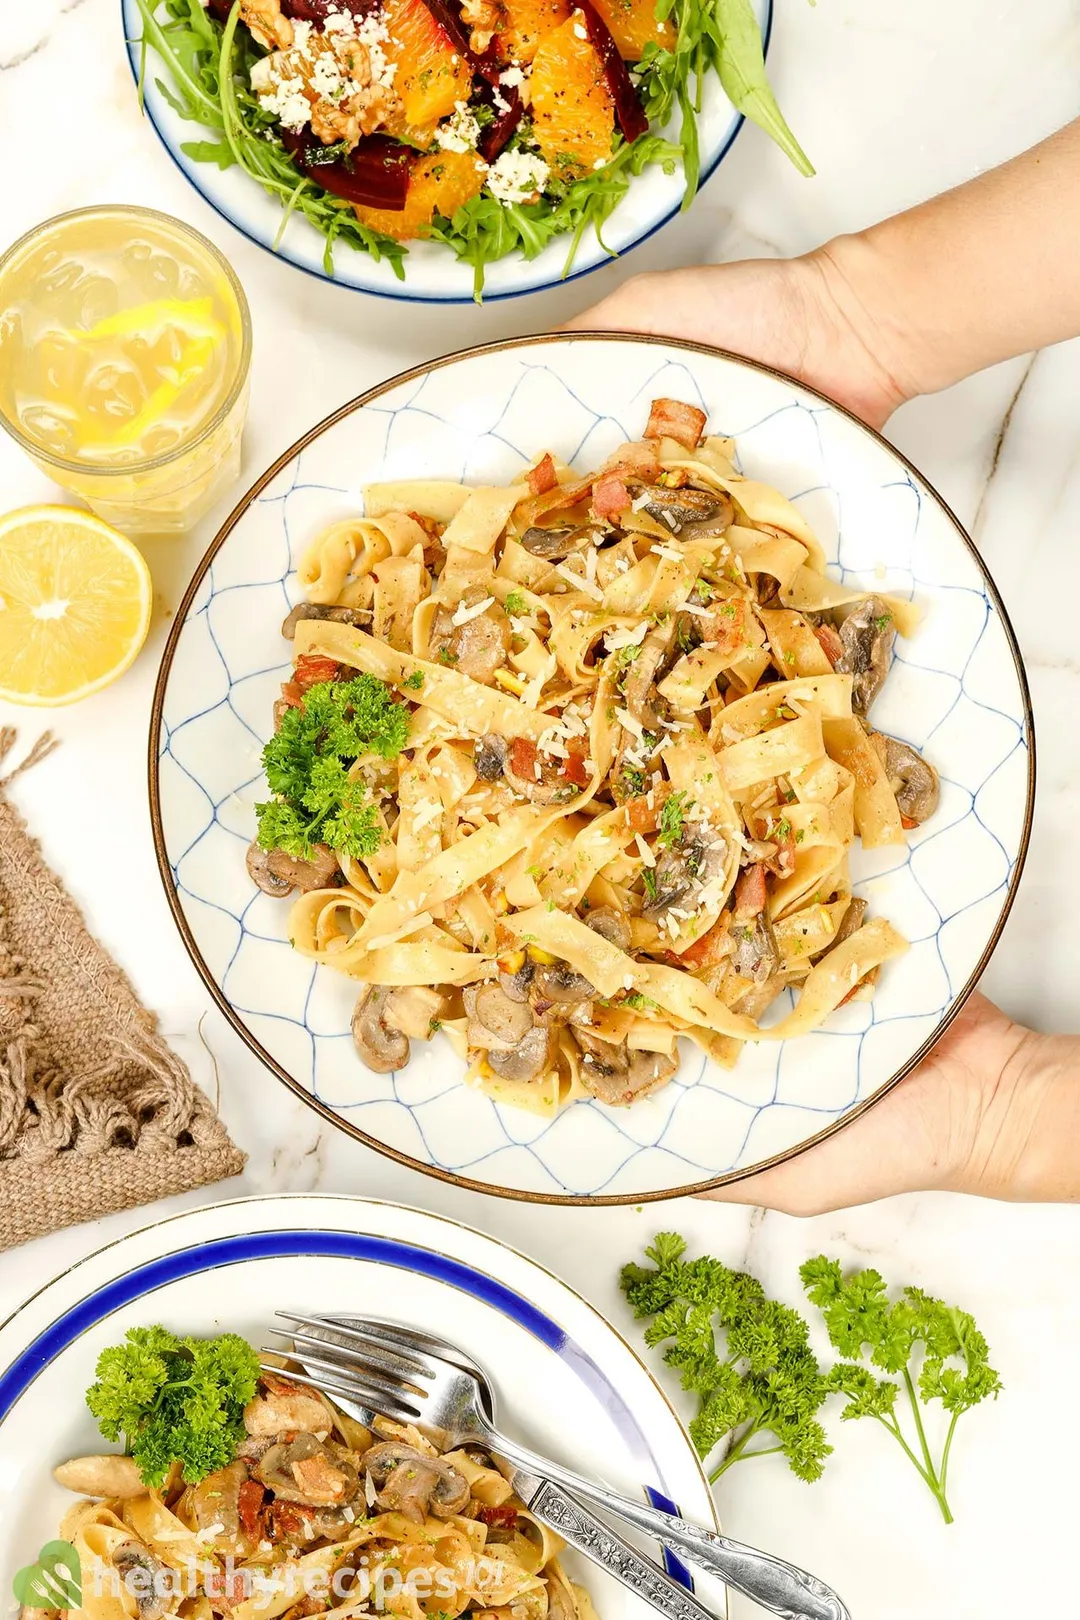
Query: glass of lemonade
125	346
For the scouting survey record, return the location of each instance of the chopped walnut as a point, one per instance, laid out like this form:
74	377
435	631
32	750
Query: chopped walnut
483	18
267	24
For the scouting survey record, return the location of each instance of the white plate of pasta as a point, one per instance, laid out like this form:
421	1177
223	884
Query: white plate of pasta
612	767
275	1502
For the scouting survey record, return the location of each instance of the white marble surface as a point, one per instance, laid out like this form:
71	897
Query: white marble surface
893	102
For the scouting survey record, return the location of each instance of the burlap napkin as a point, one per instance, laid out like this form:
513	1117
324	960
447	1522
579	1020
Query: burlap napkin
96	1113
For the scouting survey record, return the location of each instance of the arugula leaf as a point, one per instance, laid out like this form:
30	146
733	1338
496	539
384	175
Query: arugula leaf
746	1357
210	69
174	1400
740	62
859	1316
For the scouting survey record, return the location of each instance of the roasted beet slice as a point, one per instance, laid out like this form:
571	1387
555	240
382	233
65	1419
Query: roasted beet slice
313	11
448	16
497	133
628	109
375	173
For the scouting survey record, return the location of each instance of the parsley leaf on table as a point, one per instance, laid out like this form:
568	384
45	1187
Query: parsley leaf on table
174	1400
954	1369
745	1356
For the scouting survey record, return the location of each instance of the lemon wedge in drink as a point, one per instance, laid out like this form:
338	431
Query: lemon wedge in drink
75	600
170	341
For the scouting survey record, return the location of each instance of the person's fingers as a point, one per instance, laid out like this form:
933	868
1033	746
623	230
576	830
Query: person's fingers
919	1136
888	1149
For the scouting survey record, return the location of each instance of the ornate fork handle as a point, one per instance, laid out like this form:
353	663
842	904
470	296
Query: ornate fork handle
600	1543
776	1585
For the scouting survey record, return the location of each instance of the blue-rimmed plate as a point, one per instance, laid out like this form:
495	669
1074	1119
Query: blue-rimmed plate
432	274
957	692
565	1379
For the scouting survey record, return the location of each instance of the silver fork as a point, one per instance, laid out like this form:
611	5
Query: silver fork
410	1378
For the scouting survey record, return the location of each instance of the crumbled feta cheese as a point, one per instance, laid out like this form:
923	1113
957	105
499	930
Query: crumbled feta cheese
580	31
460	132
516	177
512	77
601	163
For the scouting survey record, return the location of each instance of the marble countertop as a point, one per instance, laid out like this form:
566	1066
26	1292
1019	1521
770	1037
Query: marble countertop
893	103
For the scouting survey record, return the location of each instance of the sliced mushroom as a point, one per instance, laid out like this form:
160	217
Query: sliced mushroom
552	545
526	1060
320	872
413	1484
868	635
378	1040
689	513
549	788
315	610
477	647
307	1470
642	699
258	866
913	779
850	923
215	1506
558	981
682	868
490	756
145	1578
515	976
615	1075
611	925
495	1017
755	956
282	1408
101	1476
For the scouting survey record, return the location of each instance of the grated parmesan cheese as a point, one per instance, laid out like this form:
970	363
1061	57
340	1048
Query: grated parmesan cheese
579	582
644	851
463	614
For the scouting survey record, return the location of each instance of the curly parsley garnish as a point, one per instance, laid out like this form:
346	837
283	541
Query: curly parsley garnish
174	1400
746	1357
306	764
954	1369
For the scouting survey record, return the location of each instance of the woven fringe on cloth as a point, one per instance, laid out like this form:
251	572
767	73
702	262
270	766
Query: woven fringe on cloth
96	1113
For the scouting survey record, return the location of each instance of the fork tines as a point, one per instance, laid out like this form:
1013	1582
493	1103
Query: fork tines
358	1365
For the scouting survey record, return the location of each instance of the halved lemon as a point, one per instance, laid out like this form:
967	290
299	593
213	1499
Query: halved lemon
75	600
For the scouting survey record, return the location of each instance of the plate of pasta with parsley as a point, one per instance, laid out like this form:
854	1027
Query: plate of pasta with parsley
451	150
598	803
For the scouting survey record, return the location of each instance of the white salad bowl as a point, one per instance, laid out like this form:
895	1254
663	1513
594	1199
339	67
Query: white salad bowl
957	692
565	1380
432	274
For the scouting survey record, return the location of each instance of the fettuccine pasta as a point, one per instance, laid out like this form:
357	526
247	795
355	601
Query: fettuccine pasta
610	755
316	1518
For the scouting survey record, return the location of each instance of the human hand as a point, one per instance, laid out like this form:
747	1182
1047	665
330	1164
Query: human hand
990	1111
803	316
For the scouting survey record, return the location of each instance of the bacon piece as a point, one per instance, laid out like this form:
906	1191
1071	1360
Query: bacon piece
639	458
523	757
610	496
707	951
226	1590
730	622
830	643
249	1501
291	696
288	1519
573	766
864	983
671	419
640	815
750	892
504	1515
313	670
907	823
542	477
